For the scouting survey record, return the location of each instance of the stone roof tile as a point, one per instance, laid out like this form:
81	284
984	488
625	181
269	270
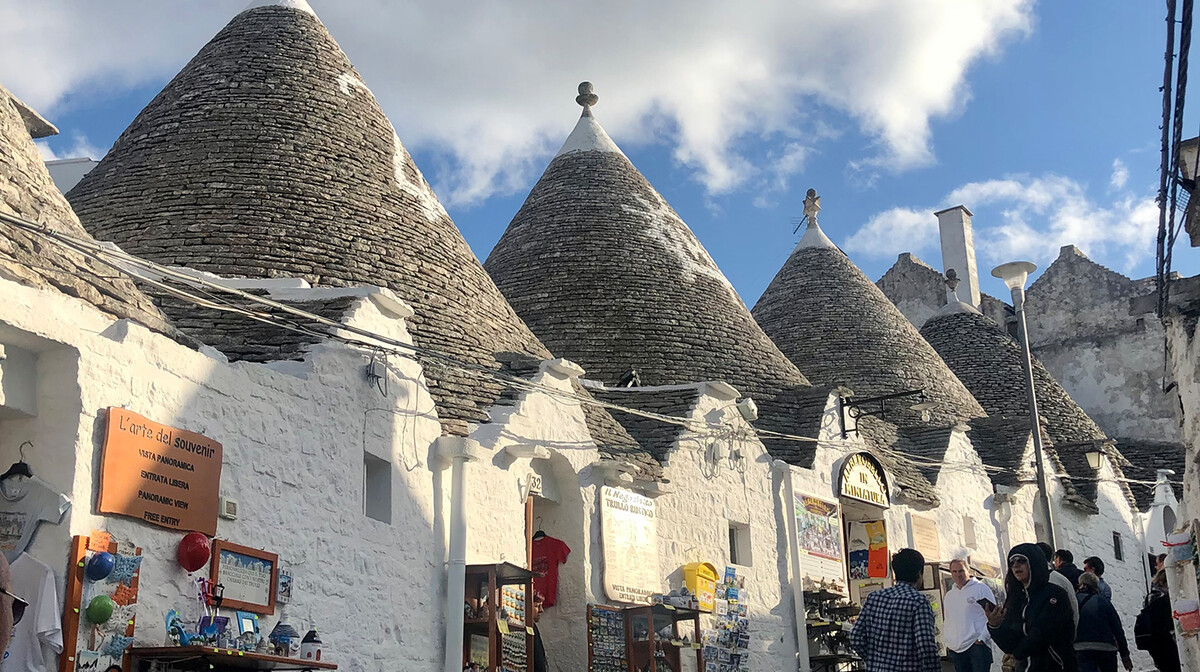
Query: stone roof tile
267	156
27	191
607	274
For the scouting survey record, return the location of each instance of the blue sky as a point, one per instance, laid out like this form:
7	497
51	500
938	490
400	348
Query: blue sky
1044	120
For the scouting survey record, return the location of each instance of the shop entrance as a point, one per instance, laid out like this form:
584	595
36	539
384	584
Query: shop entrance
554	546
863	494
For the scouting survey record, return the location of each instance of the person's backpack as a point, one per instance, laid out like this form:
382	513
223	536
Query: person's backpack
1143	626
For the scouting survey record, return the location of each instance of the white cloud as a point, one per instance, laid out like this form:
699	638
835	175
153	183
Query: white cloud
80	147
489	90
1023	217
1120	175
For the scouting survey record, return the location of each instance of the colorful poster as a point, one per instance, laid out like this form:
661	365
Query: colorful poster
877	561
858	550
819	538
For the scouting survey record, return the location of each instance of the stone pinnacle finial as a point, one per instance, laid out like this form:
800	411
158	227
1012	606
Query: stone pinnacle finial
812	206
952	283
586	98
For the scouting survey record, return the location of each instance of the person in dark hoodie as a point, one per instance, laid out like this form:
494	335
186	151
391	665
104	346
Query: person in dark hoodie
1100	636
1035	623
1064	563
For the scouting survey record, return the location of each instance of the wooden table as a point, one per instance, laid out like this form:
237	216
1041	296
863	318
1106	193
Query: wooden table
209	658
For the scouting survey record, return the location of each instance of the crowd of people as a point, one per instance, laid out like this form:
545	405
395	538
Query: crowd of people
1052	616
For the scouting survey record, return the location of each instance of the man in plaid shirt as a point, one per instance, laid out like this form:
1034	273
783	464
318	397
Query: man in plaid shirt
895	631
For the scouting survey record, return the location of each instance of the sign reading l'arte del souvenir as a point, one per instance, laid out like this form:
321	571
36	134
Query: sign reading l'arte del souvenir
862	478
162	475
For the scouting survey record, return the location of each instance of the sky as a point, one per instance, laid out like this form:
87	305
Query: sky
1041	118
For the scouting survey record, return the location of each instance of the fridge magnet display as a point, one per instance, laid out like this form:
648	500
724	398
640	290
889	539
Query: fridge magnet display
99	611
250	577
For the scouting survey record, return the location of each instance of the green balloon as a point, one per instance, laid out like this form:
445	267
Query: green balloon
100	609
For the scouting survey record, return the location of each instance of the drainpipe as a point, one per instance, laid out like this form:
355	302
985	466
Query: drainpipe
789	515
455	452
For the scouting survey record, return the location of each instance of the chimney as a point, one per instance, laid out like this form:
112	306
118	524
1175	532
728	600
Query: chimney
958	250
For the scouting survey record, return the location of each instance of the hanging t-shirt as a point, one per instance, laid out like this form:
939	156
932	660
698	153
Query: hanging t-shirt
548	554
24	504
41	626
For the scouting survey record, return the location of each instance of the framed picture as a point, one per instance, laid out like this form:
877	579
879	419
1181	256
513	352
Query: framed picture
247	622
249	577
284	594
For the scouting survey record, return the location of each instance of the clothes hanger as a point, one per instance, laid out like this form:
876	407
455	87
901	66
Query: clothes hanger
19	468
539	534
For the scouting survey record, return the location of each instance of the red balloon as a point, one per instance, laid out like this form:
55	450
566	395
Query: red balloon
194	551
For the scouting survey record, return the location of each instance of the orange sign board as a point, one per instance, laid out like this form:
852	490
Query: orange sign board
159	474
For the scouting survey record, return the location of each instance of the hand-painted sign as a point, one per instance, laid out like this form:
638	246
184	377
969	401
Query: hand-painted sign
862	478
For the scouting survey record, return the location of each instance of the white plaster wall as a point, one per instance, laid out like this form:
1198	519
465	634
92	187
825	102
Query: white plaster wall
693	526
965	489
293	437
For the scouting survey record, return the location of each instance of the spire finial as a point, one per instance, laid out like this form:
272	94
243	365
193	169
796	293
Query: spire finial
586	98
812	205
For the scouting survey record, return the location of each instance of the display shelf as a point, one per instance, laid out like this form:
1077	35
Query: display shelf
486	587
208	658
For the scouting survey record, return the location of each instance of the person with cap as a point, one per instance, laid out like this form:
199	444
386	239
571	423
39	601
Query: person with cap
1034	624
1094	565
895	631
1059	579
1100	636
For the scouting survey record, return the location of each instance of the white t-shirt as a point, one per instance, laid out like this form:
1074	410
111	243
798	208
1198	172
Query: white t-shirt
41	625
966	622
24	504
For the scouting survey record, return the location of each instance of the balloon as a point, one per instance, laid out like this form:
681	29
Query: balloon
100	566
194	551
100	609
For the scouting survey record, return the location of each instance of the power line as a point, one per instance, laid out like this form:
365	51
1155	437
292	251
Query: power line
153	274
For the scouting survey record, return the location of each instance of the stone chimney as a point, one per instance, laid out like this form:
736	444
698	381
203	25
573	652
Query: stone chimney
958	250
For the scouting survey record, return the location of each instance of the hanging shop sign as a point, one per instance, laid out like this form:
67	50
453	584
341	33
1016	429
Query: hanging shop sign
925	537
861	477
159	474
629	534
819	541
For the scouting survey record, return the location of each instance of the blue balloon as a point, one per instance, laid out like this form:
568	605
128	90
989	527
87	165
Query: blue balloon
100	566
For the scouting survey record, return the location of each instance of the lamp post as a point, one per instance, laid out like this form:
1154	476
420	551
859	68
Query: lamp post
1014	275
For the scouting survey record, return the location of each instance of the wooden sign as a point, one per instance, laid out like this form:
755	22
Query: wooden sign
159	474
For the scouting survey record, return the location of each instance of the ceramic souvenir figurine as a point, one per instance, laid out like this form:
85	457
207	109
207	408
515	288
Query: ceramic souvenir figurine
310	646
283	635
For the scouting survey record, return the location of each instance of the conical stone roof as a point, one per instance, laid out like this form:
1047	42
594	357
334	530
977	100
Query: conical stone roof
990	363
267	156
607	274
26	191
840	329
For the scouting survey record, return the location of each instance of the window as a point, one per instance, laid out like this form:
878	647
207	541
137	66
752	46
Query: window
377	488
739	544
1118	549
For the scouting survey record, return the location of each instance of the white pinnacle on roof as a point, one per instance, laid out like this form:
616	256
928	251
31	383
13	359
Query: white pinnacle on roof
301	5
588	136
813	235
953	304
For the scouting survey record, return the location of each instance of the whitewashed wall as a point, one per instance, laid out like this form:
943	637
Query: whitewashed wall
293	436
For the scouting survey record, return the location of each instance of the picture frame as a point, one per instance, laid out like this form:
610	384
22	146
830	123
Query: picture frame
248	576
247	621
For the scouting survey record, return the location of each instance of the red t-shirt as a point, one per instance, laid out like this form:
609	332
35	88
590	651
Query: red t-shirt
548	554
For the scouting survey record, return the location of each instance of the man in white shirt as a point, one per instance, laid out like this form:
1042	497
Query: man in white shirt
966	633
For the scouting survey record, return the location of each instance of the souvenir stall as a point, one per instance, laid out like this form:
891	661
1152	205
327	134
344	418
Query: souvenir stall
164	477
840	556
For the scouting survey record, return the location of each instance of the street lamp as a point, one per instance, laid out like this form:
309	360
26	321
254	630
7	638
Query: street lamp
1014	274
1095	458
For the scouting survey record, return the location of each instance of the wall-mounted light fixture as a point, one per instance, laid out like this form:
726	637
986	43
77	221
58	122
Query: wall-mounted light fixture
1095	458
856	408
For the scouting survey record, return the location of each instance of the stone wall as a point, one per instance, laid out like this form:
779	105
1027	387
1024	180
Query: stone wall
1110	361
